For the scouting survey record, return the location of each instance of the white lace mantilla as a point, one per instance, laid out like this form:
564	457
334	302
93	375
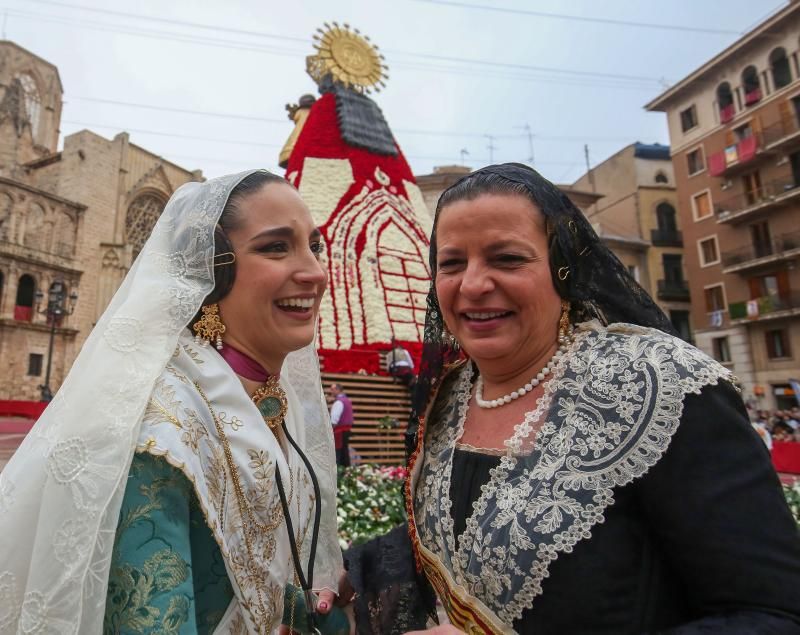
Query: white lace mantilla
608	414
61	492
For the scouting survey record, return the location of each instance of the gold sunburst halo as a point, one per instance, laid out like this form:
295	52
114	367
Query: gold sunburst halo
348	57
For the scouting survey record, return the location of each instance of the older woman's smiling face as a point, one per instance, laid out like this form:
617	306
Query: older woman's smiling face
493	280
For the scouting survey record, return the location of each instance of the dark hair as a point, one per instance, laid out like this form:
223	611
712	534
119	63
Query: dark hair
481	183
584	271
230	220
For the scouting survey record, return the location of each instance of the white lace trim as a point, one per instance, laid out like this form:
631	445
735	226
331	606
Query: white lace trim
611	408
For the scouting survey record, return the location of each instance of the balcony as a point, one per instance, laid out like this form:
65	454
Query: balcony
781	135
675	290
727	113
764	308
744	207
666	238
23	313
735	157
752	97
784	247
62	258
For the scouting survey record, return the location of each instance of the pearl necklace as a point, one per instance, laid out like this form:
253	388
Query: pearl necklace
563	343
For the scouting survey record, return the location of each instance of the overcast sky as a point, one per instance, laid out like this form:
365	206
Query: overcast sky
218	74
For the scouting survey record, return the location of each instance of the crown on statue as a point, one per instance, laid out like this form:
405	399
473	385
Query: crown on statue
348	57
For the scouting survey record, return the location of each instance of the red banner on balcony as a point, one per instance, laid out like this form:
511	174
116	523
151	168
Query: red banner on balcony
716	164
752	97
727	113
747	148
23	313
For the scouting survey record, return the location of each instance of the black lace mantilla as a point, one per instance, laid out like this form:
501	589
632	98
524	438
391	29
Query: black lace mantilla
597	285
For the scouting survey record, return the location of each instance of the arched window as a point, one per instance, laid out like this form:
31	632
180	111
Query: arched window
6	203
779	65
33	103
23	307
661	177
35	228
725	102
665	216
140	220
750	85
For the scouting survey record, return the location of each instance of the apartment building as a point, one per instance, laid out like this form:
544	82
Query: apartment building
638	221
734	126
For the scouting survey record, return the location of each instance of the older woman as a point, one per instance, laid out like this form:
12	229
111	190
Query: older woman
584	471
181	479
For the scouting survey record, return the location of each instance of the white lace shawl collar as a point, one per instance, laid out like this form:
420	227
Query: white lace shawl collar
612	405
179	425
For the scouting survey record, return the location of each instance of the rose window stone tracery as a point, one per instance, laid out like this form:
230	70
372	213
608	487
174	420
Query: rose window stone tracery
140	220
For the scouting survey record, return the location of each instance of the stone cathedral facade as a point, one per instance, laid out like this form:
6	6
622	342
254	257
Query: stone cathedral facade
78	215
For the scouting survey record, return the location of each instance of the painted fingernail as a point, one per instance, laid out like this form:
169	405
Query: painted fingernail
323	606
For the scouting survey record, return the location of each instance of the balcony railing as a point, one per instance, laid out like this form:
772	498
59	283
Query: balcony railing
765	307
23	313
734	156
752	96
727	113
780	133
768	195
677	290
666	238
783	246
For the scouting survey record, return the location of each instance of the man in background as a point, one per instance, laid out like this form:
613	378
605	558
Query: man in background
400	364
342	422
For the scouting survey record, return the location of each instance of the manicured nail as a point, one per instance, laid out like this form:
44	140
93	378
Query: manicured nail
323	606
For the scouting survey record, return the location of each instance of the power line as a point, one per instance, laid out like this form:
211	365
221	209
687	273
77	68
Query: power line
184	37
183	23
176	135
225	115
579	18
401	130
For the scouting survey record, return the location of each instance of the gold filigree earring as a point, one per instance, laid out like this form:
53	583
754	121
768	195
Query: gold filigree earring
209	327
450	339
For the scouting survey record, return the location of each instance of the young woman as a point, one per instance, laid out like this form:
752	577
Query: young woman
184	473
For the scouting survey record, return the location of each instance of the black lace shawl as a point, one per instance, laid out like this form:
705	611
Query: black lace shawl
595	282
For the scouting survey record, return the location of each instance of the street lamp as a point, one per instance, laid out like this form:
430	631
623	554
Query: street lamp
55	310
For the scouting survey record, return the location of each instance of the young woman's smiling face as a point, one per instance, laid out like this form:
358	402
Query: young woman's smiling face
493	279
273	305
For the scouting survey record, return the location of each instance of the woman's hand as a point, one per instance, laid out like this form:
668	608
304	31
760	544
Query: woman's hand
444	629
325	602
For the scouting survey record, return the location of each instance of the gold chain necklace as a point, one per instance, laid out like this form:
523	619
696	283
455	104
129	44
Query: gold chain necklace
266	391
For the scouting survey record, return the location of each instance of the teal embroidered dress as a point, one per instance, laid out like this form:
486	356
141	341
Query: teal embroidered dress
167	571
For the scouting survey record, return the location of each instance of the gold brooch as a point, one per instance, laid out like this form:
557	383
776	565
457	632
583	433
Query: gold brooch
271	402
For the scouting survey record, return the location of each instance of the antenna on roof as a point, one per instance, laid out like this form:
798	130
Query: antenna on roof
527	129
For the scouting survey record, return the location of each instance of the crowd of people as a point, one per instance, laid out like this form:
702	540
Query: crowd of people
777	425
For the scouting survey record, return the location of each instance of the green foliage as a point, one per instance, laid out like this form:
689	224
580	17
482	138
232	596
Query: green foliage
370	502
792	493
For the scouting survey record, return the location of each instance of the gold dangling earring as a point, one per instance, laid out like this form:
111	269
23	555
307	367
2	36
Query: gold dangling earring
209	327
450	339
563	322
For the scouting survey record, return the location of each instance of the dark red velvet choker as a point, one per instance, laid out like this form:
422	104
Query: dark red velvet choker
243	365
